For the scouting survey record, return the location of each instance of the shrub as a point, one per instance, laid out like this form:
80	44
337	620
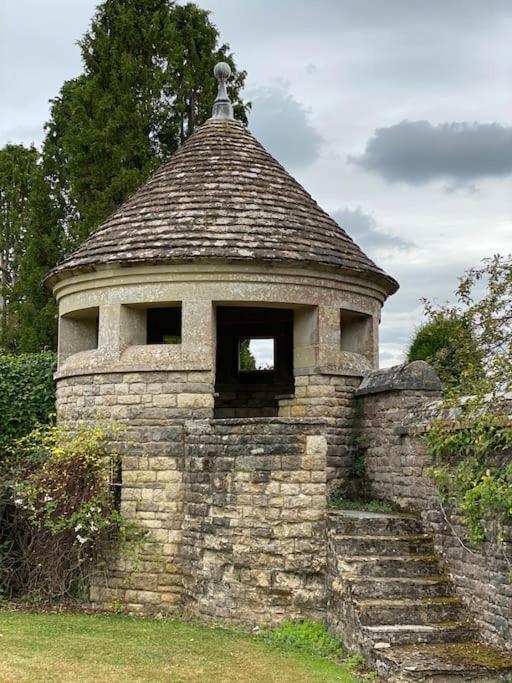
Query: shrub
27	394
59	516
470	439
447	342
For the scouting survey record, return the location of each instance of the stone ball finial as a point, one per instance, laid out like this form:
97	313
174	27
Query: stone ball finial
222	108
222	71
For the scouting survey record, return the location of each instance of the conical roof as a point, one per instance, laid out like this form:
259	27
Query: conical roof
221	196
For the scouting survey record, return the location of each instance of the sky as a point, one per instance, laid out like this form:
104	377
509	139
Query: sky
395	115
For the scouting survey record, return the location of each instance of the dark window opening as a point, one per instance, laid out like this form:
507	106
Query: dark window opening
356	332
254	360
164	325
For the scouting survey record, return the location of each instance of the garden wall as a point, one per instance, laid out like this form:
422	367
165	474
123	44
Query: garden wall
392	414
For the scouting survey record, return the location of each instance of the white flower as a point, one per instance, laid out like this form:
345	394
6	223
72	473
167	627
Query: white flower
78	527
81	539
18	501
47	499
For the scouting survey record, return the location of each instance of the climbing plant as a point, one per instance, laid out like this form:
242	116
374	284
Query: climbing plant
470	440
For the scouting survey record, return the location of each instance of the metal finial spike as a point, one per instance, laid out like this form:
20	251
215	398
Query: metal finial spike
222	107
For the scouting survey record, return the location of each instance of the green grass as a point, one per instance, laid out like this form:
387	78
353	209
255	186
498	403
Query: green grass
338	503
81	648
305	636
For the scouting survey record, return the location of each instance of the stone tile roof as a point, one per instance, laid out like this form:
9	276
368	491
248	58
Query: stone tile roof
221	195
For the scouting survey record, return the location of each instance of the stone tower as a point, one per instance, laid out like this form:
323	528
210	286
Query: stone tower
224	319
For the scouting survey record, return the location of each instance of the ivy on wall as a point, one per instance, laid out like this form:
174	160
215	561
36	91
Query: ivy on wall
27	394
472	468
471	438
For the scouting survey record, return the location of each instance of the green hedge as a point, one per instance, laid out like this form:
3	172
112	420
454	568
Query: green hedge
27	393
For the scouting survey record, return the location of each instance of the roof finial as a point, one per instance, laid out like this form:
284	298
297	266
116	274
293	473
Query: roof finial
222	107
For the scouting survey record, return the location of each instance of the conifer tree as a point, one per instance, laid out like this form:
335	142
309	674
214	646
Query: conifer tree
43	246
147	84
18	168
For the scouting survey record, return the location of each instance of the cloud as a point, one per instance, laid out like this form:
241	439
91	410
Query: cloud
420	278
281	123
416	152
364	230
21	135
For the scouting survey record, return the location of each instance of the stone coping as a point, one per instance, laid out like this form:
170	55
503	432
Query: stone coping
267	420
415	376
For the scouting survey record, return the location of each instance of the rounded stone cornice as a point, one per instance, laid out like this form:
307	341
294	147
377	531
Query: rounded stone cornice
250	282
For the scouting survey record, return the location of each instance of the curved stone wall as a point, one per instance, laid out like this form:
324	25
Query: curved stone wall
116	298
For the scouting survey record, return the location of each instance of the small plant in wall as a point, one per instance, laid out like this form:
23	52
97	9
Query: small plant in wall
59	512
470	440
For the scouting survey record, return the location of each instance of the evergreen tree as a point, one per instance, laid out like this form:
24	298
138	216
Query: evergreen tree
246	360
18	169
147	84
44	239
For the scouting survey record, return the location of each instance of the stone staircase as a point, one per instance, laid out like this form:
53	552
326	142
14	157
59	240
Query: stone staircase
390	598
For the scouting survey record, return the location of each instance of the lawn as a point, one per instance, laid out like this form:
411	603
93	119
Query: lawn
81	648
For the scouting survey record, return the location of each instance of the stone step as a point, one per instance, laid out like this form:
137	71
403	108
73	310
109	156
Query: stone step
369	587
414	634
385	565
354	522
413	544
409	611
451	662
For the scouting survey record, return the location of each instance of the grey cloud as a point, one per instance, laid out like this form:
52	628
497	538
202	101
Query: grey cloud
403	312
417	152
364	230
22	135
333	15
281	123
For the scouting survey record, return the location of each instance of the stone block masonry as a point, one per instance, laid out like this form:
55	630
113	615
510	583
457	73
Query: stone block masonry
392	416
235	508
254	523
151	408
328	397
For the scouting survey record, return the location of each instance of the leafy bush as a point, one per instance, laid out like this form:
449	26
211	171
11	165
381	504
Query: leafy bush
27	394
58	512
473	468
447	342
